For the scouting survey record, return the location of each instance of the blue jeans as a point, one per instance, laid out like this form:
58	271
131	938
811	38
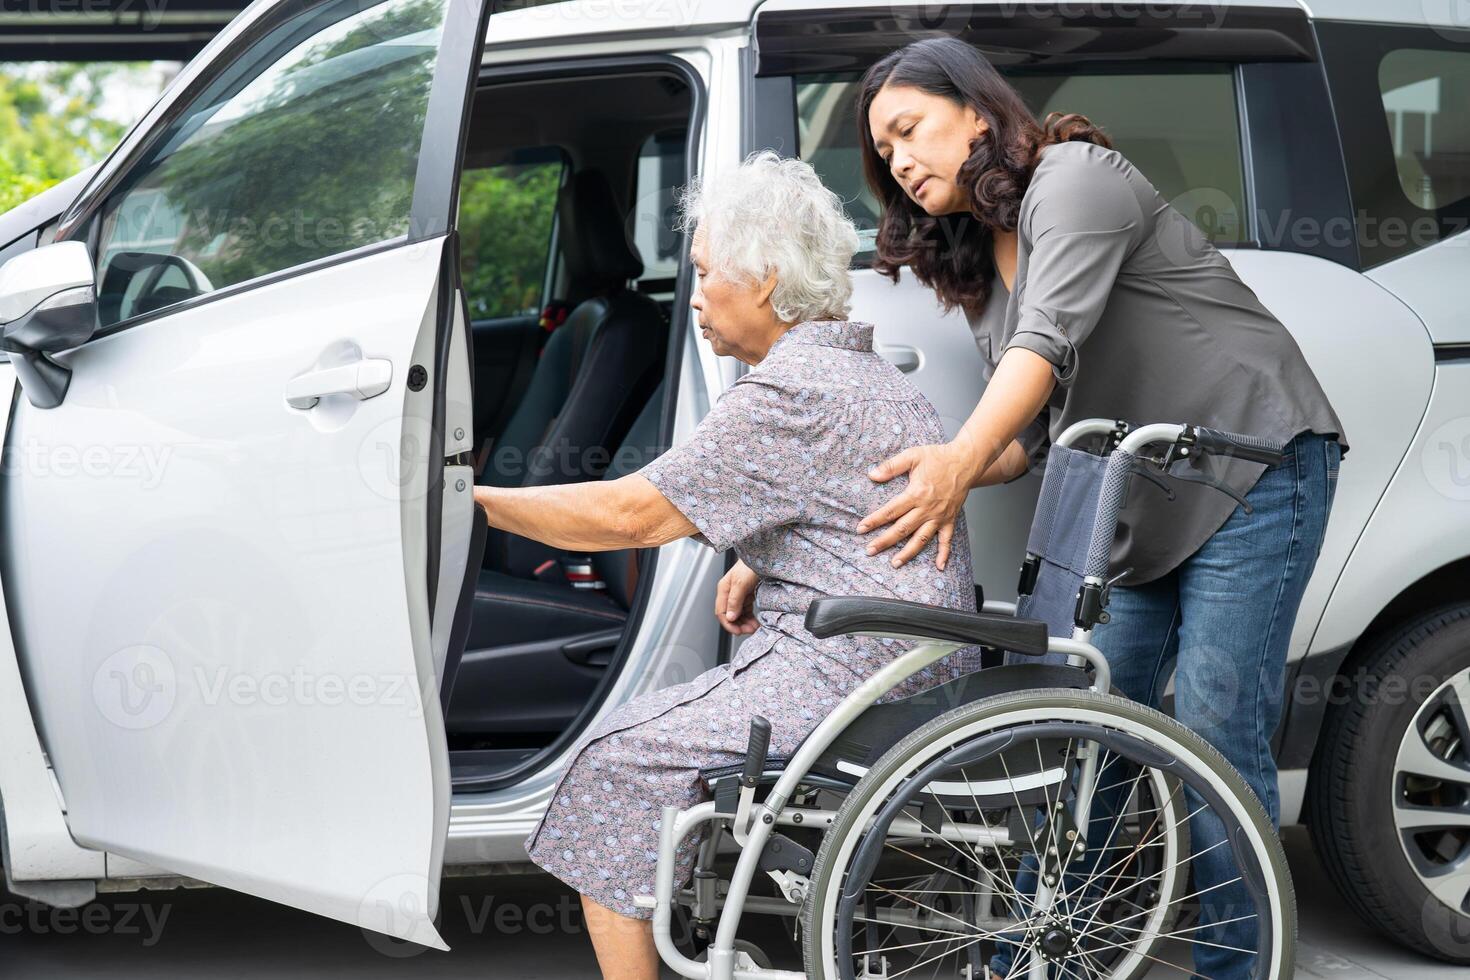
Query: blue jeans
1223	619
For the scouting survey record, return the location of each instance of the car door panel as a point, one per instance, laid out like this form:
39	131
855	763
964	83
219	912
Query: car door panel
213	612
1418	279
223	564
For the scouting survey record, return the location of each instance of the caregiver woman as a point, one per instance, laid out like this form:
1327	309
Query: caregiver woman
1090	296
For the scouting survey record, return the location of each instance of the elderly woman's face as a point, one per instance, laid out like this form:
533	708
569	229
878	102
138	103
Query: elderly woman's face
924	139
736	318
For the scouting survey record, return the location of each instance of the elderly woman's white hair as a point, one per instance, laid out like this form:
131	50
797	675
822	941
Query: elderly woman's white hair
773	215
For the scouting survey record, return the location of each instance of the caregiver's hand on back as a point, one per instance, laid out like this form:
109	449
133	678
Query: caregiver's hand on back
940	477
982	453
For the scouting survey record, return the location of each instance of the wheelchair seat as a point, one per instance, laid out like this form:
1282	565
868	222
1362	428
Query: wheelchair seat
882	726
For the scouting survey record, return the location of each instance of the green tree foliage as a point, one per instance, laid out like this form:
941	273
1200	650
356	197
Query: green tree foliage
51	125
505	216
315	156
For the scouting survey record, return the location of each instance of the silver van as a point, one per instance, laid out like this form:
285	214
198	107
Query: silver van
362	254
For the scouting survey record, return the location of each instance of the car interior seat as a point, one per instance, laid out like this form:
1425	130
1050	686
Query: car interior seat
595	372
537	648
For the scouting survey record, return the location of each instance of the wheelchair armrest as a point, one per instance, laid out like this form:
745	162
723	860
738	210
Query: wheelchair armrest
834	615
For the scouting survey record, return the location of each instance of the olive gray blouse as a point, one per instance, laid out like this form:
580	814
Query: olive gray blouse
1144	320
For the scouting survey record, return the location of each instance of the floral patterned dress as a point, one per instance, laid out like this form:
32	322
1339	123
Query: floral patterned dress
778	470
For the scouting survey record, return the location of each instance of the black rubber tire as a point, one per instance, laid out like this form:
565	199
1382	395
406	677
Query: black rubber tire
1350	788
1064	703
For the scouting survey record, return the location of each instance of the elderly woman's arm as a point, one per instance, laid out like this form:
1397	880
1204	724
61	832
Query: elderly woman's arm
602	515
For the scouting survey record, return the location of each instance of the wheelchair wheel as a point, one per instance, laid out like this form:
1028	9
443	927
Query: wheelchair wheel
960	847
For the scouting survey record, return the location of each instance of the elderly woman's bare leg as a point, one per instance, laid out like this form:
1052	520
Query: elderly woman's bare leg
624	945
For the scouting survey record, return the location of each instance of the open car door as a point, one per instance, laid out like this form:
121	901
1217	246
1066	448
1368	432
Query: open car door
226	573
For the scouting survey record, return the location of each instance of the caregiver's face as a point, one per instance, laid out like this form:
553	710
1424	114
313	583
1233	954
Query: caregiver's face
923	139
736	318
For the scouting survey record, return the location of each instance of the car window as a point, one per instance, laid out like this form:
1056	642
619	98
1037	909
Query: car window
1431	138
1180	129
660	172
507	212
305	146
1399	94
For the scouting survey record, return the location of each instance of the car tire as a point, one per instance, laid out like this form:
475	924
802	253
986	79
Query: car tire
1370	811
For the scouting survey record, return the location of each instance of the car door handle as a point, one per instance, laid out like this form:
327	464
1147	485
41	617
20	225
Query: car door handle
361	379
906	359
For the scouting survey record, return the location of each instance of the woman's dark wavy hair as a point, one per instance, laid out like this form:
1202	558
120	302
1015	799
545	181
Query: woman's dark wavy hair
952	254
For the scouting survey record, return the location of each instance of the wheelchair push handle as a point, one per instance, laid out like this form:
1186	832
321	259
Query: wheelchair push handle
755	751
1240	446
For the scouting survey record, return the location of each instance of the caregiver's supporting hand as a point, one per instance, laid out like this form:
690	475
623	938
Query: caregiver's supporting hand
984	452
939	479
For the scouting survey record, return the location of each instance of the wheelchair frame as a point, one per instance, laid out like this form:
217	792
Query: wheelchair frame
754	823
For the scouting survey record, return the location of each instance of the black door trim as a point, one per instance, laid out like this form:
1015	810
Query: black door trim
1299	198
767	110
849	39
447	118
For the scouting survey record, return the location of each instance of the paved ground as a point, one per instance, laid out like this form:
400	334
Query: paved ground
522	929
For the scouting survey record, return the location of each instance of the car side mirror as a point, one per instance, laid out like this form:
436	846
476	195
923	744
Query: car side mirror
48	303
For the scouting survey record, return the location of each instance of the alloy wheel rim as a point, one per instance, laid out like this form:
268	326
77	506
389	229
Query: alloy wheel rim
1431	793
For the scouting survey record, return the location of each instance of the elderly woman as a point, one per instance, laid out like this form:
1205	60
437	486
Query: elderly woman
778	471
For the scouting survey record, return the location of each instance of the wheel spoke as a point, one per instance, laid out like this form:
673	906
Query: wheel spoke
1177	902
1132	849
919	857
1173	966
1097	966
1009	881
1128	859
972	855
1457	701
1197	942
1177	864
932	909
1024	953
1063	966
995	881
1417	757
1053	806
928	942
939	956
926	891
1121	862
1109	906
1451	884
1102	771
1173	934
1417	819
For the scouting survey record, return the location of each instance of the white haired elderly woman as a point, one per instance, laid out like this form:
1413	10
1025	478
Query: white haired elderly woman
778	471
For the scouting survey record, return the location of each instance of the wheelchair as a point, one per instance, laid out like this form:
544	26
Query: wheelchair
1020	808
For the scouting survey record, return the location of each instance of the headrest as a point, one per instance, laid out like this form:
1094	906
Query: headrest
595	242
